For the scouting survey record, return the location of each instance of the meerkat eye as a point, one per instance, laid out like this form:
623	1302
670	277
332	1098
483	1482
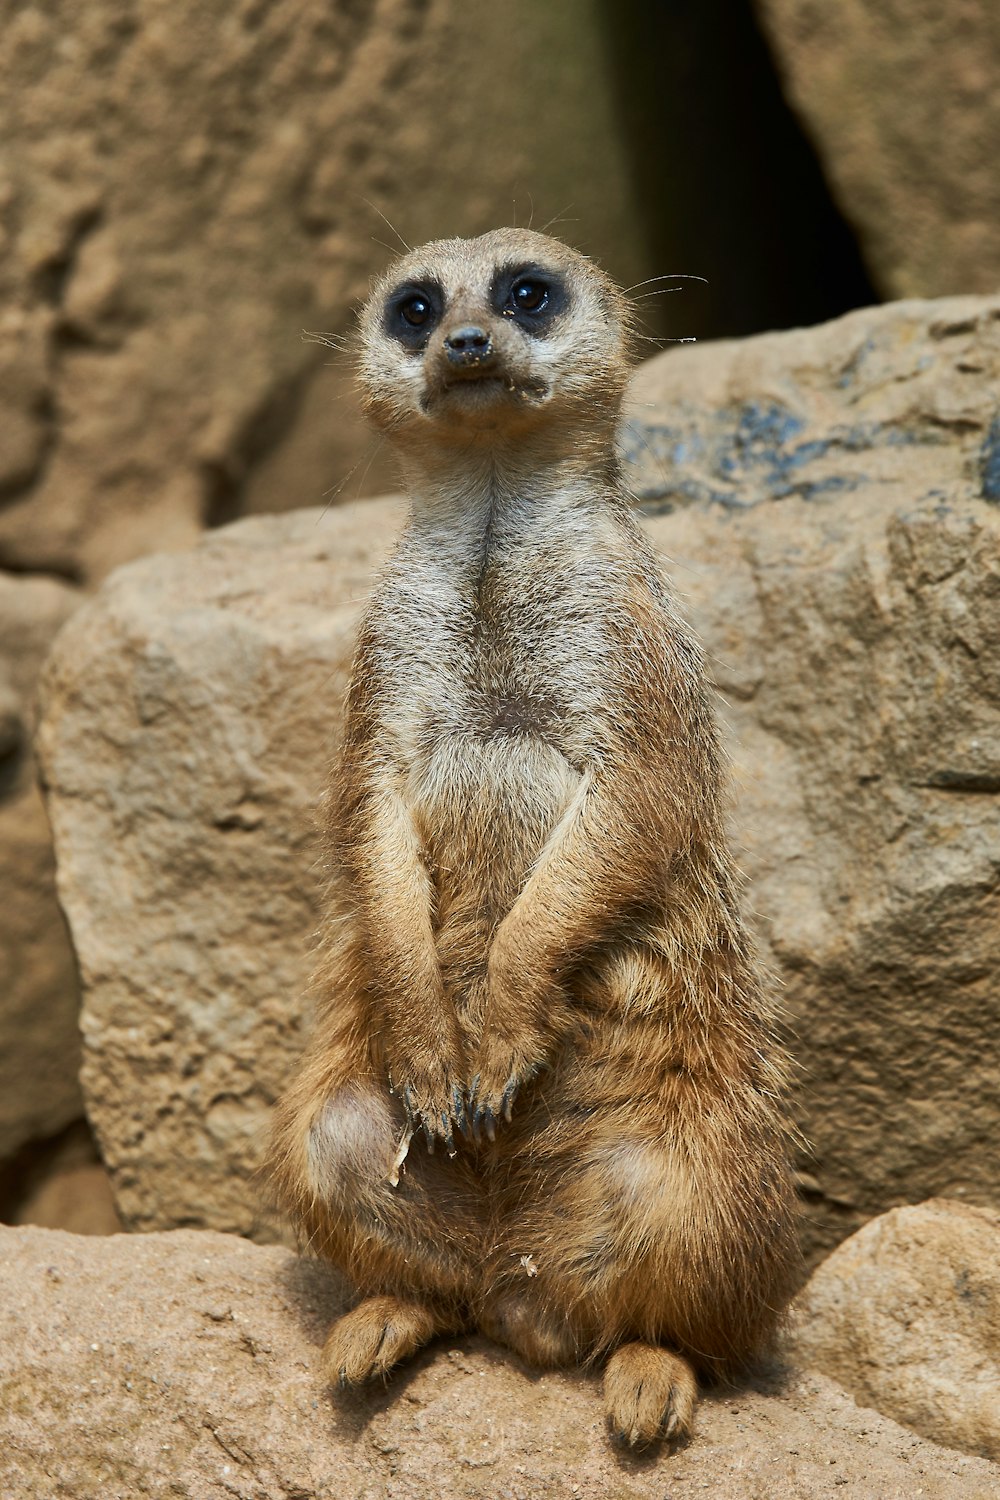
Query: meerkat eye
529	295
411	312
416	311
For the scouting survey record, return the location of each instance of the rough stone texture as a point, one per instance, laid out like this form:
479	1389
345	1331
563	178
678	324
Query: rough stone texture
190	716
906	1316
902	103
39	997
182	191
828	504
836	536
185	1364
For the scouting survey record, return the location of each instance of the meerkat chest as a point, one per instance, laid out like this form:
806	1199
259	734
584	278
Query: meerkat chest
503	664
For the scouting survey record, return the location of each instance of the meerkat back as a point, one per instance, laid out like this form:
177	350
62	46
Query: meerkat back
542	1095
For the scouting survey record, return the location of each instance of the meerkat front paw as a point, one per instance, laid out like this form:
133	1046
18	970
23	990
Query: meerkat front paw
502	1074
433	1100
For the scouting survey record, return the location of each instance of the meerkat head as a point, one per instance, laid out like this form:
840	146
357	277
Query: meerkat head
484	338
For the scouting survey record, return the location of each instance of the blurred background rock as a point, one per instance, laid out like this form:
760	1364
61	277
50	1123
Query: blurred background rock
185	188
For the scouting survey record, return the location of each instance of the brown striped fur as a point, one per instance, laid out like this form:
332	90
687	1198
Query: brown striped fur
534	932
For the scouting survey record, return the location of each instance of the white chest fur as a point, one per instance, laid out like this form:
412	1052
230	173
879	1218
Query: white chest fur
491	645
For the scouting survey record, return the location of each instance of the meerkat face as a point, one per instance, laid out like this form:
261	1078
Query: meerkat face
491	335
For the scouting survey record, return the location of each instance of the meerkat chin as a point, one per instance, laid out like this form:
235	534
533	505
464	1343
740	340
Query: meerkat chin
542	1094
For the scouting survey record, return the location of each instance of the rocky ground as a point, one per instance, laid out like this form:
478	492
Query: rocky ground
185	1365
906	1316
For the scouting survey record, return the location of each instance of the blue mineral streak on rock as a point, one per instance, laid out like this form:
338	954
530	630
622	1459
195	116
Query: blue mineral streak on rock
991	463
765	429
757	451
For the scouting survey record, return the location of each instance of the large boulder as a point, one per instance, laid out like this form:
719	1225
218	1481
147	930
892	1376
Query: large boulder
831	509
184	190
186	1364
906	1316
190	713
827	502
39	994
901	102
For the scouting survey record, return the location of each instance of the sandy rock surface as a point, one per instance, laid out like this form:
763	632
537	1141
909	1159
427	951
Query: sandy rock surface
187	822
902	105
183	191
833	525
841	561
185	1364
39	995
906	1316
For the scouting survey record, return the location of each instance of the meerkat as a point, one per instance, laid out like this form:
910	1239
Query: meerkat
542	1097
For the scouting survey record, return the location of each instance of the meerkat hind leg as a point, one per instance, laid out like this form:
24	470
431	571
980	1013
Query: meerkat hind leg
649	1392
376	1335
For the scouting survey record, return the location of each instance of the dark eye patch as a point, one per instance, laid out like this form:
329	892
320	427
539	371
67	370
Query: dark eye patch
412	311
531	295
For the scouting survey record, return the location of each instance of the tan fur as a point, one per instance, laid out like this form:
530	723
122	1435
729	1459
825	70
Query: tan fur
534	953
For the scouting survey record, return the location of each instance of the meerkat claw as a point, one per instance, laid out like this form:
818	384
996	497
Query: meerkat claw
459	1109
485	1120
449	1139
507	1098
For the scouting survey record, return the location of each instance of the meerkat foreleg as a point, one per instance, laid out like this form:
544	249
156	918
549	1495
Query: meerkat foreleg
597	861
418	1037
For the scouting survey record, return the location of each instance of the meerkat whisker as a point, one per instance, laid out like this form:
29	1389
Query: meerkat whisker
666	276
390	225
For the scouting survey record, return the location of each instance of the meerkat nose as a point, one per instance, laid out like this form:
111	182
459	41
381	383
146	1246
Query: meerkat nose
468	346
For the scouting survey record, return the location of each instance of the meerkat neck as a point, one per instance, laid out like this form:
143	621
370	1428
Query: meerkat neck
498	484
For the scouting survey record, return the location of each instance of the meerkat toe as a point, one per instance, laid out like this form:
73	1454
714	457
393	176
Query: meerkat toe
377	1335
650	1393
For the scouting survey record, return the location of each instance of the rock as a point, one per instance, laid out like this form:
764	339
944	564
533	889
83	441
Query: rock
826	506
78	1199
182	194
187	1364
39	995
906	1316
902	105
832	518
191	709
60	1183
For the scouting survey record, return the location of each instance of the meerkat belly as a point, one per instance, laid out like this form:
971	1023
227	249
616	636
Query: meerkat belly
484	807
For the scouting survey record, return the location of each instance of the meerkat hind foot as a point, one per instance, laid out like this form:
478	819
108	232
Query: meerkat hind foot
649	1393
378	1334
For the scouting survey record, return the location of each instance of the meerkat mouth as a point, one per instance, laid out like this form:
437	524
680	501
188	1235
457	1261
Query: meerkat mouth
483	388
